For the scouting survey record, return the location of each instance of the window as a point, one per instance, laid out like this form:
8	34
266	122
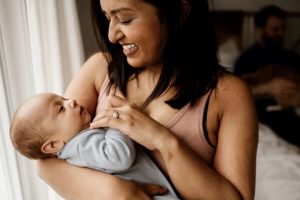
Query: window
40	50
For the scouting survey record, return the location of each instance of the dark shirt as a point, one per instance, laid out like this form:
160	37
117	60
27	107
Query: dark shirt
284	122
257	57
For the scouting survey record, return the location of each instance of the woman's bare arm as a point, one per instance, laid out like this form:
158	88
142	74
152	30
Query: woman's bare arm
78	183
233	172
75	183
86	84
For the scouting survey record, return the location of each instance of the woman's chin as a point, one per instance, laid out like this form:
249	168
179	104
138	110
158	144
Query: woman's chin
134	63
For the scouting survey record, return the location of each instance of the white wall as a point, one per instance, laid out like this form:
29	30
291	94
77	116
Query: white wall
255	5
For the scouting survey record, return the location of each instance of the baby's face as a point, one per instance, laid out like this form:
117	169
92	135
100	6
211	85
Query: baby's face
61	116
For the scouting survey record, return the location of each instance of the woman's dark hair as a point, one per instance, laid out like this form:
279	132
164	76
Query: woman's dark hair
271	10
190	62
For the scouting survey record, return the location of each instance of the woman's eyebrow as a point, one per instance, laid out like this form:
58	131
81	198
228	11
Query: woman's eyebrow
118	10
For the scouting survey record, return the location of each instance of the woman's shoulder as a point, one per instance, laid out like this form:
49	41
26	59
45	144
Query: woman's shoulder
96	66
96	62
85	85
229	81
232	91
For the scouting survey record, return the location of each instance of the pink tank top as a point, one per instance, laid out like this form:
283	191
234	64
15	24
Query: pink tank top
186	124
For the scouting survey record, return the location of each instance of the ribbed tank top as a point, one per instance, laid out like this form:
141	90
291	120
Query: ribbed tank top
187	124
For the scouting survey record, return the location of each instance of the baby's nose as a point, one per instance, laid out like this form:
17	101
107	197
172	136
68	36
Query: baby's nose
73	103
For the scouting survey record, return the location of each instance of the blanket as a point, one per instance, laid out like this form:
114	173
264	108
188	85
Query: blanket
277	168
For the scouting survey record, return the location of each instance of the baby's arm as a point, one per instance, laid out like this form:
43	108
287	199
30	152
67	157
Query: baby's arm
109	151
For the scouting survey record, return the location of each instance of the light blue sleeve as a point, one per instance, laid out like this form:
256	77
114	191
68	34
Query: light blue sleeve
111	151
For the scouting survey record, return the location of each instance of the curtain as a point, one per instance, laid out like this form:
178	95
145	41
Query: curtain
292	39
248	31
40	50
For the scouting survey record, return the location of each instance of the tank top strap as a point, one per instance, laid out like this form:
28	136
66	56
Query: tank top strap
190	125
102	94
204	119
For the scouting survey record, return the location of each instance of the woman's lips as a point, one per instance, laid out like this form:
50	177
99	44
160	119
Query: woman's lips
129	49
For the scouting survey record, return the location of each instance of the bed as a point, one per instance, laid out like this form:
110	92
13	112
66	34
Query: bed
278	168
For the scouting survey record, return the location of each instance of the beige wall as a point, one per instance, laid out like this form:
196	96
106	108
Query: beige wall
89	41
254	5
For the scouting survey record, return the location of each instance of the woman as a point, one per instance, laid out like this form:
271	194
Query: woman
197	121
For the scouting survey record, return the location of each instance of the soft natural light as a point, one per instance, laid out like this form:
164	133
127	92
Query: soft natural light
28	65
3	185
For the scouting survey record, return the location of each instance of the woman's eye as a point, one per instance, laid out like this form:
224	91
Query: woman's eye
126	21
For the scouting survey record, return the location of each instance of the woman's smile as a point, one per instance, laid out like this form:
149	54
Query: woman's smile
130	49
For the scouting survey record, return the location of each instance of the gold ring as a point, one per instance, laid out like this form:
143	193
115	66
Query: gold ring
115	114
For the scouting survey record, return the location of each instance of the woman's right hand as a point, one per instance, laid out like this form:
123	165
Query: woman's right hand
77	183
132	121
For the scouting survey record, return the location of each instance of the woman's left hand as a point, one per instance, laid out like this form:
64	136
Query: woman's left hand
130	120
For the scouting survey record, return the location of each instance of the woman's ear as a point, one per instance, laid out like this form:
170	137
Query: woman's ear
52	146
186	9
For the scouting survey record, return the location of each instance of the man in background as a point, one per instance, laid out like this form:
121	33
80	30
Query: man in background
273	74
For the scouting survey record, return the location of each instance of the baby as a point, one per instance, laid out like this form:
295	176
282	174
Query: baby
48	125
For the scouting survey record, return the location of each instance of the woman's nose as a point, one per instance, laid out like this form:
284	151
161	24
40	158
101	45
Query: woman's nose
114	33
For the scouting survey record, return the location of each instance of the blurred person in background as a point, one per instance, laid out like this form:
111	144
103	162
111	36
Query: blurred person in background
273	73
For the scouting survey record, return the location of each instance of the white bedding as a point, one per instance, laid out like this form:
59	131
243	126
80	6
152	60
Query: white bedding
278	168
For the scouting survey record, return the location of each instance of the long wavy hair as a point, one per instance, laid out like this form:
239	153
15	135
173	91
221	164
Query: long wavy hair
189	55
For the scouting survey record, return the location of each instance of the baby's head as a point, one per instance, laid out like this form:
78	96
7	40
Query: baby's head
44	123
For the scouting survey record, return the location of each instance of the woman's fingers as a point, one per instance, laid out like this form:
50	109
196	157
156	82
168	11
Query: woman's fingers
113	104
131	121
108	113
110	118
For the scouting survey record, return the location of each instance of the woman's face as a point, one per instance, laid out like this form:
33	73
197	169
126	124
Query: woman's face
136	26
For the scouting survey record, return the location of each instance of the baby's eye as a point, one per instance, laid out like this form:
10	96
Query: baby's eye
61	109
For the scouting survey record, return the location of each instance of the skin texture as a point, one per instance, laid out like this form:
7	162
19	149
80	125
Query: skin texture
231	122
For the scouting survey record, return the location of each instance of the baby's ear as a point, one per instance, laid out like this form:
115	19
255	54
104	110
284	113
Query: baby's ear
52	146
